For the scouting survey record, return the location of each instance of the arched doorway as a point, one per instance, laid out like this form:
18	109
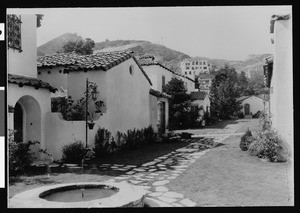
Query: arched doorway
247	109
18	122
27	121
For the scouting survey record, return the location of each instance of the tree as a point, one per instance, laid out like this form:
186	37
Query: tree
224	92
81	47
257	85
180	114
243	84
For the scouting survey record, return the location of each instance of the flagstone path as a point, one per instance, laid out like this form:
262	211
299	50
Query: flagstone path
153	176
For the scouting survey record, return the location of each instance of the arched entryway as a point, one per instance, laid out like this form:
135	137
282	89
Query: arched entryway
247	109
27	121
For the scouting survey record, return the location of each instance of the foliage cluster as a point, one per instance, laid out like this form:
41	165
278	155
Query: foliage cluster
75	152
20	155
266	143
246	140
82	47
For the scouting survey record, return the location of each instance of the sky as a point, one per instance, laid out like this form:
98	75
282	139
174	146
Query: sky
227	32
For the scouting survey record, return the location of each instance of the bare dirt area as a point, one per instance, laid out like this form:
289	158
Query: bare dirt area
227	176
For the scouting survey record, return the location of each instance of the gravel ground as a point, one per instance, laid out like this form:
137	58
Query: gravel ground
227	176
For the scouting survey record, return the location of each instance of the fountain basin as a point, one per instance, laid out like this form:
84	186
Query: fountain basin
62	196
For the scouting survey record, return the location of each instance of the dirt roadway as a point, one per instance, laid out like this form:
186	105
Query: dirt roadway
227	176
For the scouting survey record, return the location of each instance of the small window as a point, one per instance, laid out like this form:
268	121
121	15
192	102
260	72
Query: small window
196	62
203	62
163	82
200	62
192	68
131	70
186	73
204	68
190	73
193	63
187	68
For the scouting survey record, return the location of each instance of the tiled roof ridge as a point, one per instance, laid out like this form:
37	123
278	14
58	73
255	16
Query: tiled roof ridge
159	94
29	81
159	64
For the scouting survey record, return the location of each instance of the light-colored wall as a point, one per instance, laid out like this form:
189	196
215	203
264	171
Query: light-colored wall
204	103
153	112
55	78
281	97
190	85
34	101
24	63
128	104
256	104
155	73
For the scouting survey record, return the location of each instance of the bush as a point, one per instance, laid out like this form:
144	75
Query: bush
105	142
256	115
240	115
246	140
20	156
74	152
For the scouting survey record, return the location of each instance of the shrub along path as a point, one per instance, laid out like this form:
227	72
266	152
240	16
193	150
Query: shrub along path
227	176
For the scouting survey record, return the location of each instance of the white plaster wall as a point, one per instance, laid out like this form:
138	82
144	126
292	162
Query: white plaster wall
256	104
128	103
153	111
204	103
152	72
24	63
281	100
55	78
43	97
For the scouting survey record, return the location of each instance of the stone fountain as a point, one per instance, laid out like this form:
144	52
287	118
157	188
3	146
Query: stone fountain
81	195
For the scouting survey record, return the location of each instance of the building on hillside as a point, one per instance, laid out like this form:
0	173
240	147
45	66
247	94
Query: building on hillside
122	84
279	77
160	76
192	67
200	100
204	82
28	98
253	103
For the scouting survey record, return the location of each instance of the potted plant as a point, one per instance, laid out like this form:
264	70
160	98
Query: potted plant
91	125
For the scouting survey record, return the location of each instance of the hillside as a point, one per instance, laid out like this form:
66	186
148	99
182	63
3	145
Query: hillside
168	57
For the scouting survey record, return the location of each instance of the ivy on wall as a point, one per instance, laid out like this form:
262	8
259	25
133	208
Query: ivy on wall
14	32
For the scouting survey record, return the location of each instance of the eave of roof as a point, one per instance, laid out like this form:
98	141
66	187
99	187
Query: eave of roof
153	63
29	81
159	94
275	18
99	61
200	95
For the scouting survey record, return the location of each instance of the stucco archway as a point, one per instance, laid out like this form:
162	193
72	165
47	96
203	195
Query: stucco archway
27	119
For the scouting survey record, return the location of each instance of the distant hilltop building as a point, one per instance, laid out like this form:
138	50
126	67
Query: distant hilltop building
192	67
204	82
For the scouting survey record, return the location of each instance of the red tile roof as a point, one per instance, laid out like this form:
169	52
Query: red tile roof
150	62
198	95
29	81
75	62
158	94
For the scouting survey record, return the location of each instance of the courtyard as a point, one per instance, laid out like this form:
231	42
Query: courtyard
207	170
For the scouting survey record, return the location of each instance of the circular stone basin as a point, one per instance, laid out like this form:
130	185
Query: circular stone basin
81	195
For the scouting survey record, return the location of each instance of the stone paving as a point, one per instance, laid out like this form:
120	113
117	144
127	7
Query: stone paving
153	176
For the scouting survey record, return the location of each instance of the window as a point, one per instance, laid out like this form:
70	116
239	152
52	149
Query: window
190	73
196	62
204	62
192	68
186	73
187	68
163	82
193	63
131	70
194	72
200	62
14	32
204	68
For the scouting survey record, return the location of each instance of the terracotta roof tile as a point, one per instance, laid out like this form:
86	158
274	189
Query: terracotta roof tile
198	95
149	62
28	81
74	62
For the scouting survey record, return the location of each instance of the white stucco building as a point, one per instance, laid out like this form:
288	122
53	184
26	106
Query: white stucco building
253	103
201	99
204	82
28	98
192	67
279	76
